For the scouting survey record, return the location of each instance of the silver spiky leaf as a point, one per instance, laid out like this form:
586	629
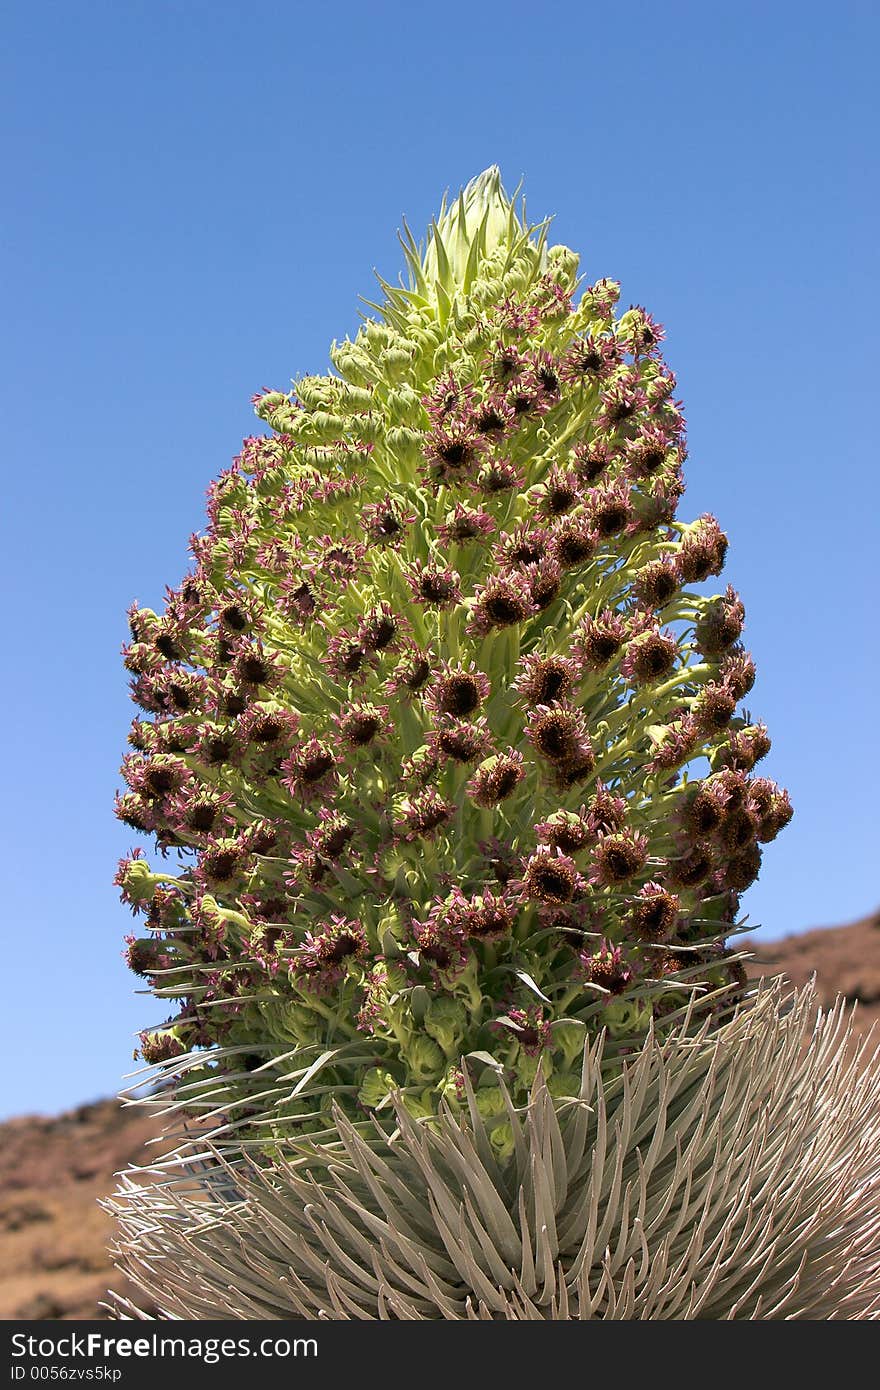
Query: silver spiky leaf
725	1175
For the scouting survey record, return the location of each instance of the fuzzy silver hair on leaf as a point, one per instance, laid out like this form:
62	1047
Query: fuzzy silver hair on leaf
728	1173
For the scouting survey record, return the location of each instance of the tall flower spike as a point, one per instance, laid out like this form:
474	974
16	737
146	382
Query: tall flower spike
442	644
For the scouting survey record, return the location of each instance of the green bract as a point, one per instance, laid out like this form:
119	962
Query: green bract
428	723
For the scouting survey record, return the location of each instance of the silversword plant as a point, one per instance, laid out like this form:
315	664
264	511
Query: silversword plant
442	737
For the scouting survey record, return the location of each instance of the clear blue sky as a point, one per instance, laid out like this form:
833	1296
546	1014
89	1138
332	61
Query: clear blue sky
196	195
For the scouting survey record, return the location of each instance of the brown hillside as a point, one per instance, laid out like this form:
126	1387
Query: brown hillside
53	1234
846	961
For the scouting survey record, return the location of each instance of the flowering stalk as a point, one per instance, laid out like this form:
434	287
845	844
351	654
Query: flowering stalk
427	722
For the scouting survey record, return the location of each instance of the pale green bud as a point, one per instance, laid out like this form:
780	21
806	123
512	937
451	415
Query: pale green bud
138	882
570	1036
490	1101
376	1087
404	404
501	1139
395	362
476	338
355	397
624	1016
406	443
563	1084
446	1021
316	392
563	264
428	339
420	1106
527	1067
144	622
269	403
353	363
366	428
487	291
321	427
423	1058
376	336
517	279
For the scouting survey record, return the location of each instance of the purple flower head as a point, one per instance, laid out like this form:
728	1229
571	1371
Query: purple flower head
411	674
322	959
465	524
532	1031
557	732
503	601
598	640
609	509
545	680
332	835
493	418
441	945
721	624
567	831
253	666
622	400
347	659
424	815
498	476
544	581
591	460
461	740
362	723
606	968
573	541
746	747
559	493
590	359
618	857
657	582
508	364
713	708
497	779
268	726
385	522
202	811
653	913
458	691
433	585
549	876
606	812
448	400
702	551
737	673
648	452
524	546
222	864
640	332
454	452
311	770
339	556
650	657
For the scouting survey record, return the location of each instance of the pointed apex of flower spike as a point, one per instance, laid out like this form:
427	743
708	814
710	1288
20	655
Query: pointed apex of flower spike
482	225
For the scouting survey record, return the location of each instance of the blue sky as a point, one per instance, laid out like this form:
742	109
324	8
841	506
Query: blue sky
196	195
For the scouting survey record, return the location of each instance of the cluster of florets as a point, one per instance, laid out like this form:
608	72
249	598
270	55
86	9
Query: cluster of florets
419	721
